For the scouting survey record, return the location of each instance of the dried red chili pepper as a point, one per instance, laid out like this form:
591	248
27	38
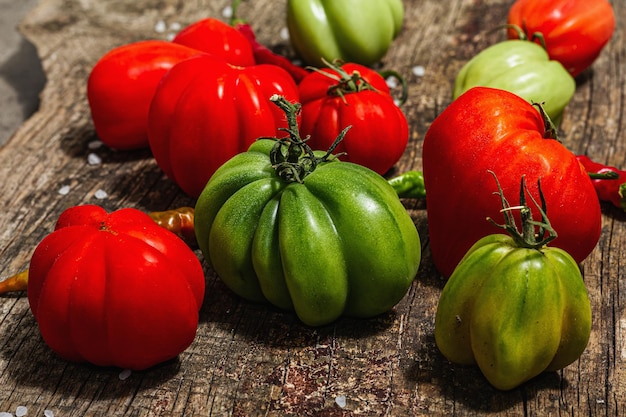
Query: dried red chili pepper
609	182
262	54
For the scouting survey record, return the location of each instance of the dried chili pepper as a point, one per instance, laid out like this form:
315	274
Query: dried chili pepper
262	54
609	182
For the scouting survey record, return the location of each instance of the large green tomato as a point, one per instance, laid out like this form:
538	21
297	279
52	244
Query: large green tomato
357	31
334	241
515	311
522	68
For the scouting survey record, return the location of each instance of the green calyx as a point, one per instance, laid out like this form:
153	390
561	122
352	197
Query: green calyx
346	83
549	127
534	234
521	34
291	157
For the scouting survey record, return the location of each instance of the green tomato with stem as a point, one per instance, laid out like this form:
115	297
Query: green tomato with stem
306	232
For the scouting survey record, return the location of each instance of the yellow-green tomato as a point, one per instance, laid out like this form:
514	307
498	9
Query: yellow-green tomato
515	312
357	31
522	68
337	241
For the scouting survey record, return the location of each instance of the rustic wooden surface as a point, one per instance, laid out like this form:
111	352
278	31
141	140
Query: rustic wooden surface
250	359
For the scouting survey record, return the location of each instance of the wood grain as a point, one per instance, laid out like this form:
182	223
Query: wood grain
249	359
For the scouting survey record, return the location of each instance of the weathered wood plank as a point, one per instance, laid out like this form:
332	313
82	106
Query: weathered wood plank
250	359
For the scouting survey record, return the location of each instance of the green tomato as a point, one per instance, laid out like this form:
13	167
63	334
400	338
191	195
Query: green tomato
357	31
338	242
516	312
514	306
522	68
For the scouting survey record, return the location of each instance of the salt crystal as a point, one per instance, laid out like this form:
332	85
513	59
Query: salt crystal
170	36
101	194
175	26
21	411
341	401
64	190
93	159
48	413
419	71
160	26
5	414
125	374
284	34
227	12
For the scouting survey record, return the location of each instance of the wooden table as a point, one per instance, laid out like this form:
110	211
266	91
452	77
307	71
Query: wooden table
250	359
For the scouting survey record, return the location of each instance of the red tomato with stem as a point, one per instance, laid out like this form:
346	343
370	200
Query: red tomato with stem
115	289
206	111
218	38
484	130
121	85
574	31
353	95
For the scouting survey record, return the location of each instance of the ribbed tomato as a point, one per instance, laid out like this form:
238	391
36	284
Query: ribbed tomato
574	31
205	111
115	289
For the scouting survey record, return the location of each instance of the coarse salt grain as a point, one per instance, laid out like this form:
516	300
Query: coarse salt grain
48	413
284	34
175	26
101	194
227	12
419	71
21	411
65	190
160	26
341	401
125	374
94	159
5	414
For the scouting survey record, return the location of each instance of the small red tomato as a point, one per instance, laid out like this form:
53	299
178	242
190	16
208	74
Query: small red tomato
353	95
206	111
115	289
218	38
121	85
574	31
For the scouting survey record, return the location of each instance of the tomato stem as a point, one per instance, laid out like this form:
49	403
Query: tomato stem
346	83
550	129
529	236
291	157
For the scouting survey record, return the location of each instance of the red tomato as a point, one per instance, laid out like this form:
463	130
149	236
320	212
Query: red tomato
379	130
115	289
488	129
121	85
206	111
575	31
217	38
